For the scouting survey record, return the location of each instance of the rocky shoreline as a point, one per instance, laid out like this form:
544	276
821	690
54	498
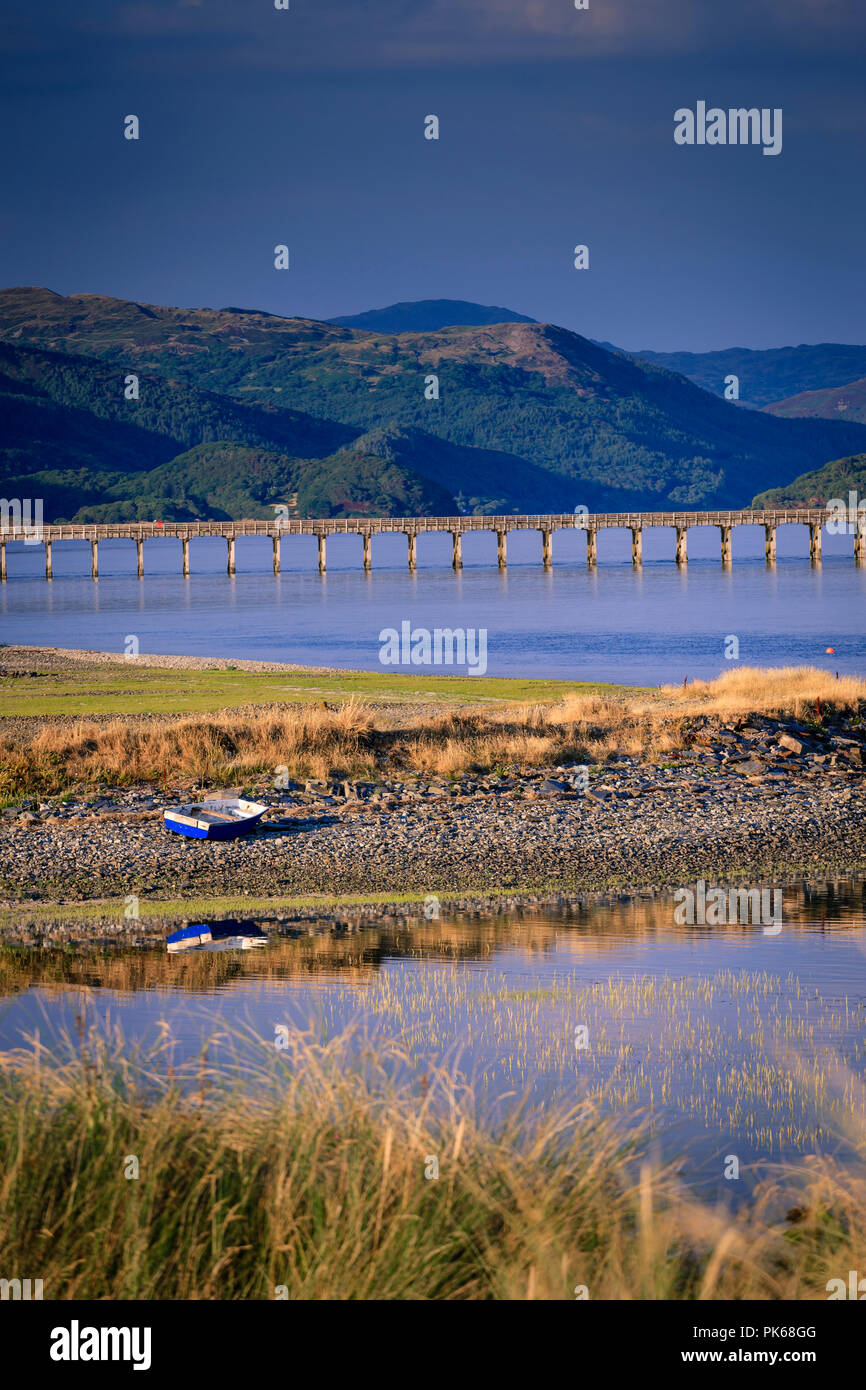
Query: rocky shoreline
756	801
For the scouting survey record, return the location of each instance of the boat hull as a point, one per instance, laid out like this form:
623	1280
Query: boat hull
214	820
211	832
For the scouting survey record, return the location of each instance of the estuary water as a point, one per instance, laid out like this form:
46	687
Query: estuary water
724	1039
645	627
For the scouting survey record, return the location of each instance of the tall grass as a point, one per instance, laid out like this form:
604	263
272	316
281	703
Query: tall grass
318	1185
311	741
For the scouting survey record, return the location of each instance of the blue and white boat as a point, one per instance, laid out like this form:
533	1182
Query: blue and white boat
187	938
214	820
228	935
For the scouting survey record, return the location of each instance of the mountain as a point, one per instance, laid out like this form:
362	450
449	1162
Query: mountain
833	403
544	417
822	485
428	315
766	375
70	437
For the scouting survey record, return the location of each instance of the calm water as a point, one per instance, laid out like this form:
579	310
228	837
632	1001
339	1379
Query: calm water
716	1035
647	627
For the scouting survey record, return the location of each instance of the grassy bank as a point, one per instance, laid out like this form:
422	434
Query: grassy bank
131	688
356	740
323	1187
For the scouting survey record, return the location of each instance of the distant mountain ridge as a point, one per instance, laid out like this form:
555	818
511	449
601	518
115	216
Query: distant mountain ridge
846	402
766	375
511	416
427	316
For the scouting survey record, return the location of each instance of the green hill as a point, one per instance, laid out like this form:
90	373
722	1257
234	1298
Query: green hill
356	483
816	489
221	481
544	417
51	403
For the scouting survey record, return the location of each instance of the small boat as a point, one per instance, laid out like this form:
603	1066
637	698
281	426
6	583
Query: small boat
214	820
188	937
228	935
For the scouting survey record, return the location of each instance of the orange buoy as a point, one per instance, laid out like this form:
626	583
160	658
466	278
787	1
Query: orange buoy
829	651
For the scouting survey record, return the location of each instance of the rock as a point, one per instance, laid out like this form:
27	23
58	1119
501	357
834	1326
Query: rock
553	788
793	745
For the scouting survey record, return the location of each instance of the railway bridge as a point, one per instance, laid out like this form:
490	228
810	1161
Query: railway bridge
413	527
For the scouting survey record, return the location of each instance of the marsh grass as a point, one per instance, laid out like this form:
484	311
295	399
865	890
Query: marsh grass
354	740
314	1179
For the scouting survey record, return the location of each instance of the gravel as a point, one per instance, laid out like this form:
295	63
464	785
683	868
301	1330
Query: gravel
712	813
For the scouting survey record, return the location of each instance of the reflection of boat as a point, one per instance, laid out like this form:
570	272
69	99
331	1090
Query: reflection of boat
214	820
229	935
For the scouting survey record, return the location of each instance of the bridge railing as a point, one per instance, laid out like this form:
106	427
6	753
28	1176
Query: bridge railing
365	526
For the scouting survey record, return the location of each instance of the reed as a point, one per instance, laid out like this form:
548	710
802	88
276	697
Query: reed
356	740
308	1172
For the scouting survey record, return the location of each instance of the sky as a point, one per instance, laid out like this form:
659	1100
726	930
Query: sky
305	127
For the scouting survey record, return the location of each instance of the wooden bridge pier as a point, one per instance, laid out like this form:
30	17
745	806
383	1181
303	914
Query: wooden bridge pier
591	547
547	549
860	542
2	562
637	546
322	556
501	549
727	550
770	543
412	539
139	557
682	556
48	567
230	562
457	550
814	543
368	551
276	554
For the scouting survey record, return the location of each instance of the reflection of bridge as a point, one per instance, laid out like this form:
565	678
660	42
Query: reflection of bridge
456	526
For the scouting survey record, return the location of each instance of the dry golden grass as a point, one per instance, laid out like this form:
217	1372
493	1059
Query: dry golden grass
317	742
758	690
307	740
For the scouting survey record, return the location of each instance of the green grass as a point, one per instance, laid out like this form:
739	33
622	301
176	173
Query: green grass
170	908
114	689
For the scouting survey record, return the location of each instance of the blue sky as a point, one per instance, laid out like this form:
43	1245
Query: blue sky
556	128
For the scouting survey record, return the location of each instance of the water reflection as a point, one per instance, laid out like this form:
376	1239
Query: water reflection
728	1040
